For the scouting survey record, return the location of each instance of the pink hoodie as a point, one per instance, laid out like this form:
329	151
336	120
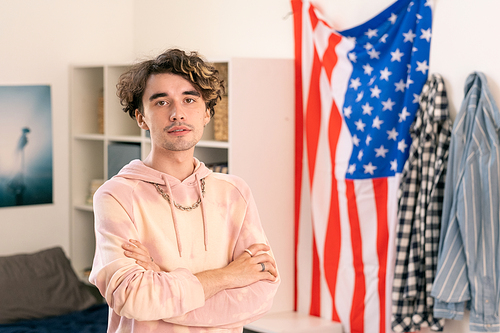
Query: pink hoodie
182	243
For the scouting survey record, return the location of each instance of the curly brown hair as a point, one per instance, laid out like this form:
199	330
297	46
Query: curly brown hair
203	75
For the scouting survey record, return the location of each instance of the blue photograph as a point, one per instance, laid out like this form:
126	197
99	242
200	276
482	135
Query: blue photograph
26	172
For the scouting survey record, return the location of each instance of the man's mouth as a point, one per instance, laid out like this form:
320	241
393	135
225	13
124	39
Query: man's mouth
178	130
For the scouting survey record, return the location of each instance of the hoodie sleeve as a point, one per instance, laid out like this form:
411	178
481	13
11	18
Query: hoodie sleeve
130	290
239	306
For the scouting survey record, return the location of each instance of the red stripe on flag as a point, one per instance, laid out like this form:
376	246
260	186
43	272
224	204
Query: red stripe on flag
330	57
315	308
380	188
313	116
358	300
299	128
333	233
312	124
313	18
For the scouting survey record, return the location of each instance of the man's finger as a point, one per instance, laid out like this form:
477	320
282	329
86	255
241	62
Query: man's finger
258	247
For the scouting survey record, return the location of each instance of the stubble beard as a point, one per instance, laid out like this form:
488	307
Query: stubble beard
180	143
179	146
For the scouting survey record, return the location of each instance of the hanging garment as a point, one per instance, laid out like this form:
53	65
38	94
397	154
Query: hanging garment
357	96
469	258
419	213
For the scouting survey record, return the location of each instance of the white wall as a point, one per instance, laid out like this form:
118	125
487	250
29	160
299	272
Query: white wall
38	41
217	28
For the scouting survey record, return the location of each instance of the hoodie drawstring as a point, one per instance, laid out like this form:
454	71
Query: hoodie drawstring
203	212
174	218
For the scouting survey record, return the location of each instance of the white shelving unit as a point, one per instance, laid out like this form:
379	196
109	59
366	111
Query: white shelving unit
259	148
93	88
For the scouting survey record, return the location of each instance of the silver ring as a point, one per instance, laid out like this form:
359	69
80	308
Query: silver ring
151	259
263	267
249	252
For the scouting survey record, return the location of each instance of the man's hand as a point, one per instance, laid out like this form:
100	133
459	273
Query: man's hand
140	253
243	271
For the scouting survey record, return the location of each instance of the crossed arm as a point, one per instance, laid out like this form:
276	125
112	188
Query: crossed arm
248	268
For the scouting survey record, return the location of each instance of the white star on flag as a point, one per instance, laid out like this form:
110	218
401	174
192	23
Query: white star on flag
368	69
393	135
402	145
360	155
355	83
396	55
355	140
377	122
351	168
394	165
409	36
408	82
374	54
388	105
384	74
400	86
393	18
426	34
403	115
348	112
367	109
416	98
381	151
422	66
371	33
369	168
360	125
375	92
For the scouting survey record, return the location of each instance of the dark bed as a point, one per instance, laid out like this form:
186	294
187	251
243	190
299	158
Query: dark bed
91	320
40	292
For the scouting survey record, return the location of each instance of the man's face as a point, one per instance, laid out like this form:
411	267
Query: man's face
174	112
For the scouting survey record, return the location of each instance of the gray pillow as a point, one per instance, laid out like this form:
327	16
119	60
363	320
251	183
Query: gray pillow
39	285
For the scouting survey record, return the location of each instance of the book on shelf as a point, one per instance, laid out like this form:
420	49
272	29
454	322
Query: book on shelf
218	167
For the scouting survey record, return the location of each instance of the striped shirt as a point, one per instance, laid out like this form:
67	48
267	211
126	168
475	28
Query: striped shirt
468	264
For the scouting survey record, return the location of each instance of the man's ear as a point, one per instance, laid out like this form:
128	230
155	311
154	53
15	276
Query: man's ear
207	117
140	120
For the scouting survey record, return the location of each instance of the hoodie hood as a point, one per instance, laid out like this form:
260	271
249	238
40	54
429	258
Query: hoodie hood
181	195
137	170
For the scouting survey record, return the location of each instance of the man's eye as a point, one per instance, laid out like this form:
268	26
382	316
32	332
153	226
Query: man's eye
161	103
189	100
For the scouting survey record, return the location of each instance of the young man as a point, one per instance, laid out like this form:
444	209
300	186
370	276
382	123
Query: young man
179	248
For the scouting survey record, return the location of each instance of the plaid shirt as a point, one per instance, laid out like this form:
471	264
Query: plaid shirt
419	213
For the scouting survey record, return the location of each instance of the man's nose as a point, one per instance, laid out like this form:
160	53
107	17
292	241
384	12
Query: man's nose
177	113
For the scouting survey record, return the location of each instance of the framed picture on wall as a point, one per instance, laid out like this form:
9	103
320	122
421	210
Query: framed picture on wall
26	171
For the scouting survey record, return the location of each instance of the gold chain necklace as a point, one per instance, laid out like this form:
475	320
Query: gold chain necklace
183	208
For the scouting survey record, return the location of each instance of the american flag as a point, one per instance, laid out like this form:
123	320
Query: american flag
357	94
